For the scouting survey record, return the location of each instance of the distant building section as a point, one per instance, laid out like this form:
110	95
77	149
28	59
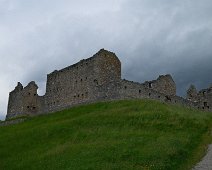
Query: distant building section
97	79
202	98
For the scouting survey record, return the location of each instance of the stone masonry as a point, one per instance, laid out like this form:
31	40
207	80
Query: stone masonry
202	98
97	78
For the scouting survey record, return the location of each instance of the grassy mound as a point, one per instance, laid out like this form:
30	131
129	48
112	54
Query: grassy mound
137	134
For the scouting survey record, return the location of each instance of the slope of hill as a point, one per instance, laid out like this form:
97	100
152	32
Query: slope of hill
136	134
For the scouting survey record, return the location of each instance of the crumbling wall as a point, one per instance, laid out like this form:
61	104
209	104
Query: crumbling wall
130	89
86	81
202	98
15	103
161	89
24	101
192	94
97	78
205	99
31	100
164	84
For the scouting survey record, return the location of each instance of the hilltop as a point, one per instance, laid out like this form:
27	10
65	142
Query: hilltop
135	134
97	79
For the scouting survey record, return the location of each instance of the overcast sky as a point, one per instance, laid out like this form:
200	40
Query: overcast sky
150	37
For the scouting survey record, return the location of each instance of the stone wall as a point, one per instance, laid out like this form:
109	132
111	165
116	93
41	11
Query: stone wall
192	93
97	78
24	101
134	90
83	82
93	79
15	103
203	98
164	84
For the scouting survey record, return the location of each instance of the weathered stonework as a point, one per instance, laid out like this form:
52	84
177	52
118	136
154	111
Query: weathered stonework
203	98
94	79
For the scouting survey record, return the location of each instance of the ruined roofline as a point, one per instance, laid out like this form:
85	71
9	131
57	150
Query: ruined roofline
209	90
131	81
20	87
83	61
160	77
138	83
205	90
150	81
143	84
31	83
98	80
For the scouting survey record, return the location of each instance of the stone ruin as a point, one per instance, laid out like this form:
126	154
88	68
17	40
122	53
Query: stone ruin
202	98
96	79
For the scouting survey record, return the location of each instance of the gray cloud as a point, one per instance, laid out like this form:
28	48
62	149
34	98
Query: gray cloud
150	38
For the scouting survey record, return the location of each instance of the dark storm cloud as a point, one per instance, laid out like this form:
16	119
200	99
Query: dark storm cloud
150	38
176	39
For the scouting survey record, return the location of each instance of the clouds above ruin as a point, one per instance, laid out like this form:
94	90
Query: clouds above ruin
150	38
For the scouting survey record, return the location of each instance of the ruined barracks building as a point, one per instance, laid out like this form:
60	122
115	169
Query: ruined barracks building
97	79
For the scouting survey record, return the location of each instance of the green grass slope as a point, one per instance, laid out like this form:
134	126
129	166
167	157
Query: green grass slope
137	134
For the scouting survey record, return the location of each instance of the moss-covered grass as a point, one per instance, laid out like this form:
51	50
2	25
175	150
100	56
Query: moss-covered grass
136	134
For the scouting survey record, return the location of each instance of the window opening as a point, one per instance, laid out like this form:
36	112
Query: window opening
168	98
95	81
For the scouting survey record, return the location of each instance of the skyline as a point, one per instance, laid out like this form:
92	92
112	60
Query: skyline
150	38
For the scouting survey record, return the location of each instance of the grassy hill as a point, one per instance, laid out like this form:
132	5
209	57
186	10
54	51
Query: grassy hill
137	134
